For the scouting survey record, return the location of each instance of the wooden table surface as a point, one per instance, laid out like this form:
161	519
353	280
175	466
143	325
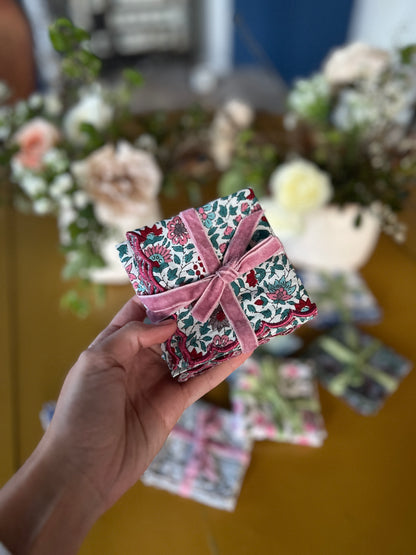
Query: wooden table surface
355	495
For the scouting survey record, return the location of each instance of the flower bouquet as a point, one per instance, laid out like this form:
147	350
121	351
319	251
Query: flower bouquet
345	157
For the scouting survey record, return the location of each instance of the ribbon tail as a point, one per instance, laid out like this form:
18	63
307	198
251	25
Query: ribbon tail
162	305
208	301
243	330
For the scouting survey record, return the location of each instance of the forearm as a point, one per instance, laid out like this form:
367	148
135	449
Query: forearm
46	507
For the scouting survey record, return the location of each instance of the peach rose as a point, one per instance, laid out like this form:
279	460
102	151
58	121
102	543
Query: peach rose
122	182
35	138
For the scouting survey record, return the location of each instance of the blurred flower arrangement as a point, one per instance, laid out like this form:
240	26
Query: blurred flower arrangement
349	136
82	155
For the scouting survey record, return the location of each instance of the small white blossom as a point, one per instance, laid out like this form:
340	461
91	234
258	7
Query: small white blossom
56	160
354	110
33	185
60	185
65	202
310	96
42	206
81	199
4	91
20	112
52	104
92	109
66	217
35	101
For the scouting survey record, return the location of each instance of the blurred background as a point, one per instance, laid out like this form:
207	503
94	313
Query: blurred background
311	103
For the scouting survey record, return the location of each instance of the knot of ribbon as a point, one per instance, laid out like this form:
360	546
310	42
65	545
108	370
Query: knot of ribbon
215	288
357	363
265	389
208	445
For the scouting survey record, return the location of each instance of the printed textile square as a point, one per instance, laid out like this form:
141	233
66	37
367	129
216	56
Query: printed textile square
357	367
277	400
222	274
341	297
201	458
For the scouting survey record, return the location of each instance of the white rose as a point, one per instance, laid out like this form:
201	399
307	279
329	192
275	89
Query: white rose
92	109
299	186
355	61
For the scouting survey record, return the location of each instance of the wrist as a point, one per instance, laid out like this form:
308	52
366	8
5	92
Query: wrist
47	507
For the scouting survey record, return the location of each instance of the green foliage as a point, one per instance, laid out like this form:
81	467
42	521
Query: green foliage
407	53
252	163
133	77
78	62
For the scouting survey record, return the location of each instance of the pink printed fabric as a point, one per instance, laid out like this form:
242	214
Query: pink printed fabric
277	400
222	274
202	459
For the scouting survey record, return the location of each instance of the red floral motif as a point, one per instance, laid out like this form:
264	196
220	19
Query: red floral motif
305	306
158	254
279	295
251	279
250	195
244	207
135	238
177	231
221	341
218	319
132	277
195	355
259	302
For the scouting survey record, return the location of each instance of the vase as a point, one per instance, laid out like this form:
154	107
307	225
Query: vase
117	224
331	241
113	273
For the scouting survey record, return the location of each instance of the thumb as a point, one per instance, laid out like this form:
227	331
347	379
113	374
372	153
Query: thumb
134	336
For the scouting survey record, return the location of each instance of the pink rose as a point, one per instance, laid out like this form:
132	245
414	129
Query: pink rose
35	138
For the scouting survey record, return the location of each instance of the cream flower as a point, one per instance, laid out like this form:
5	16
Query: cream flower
91	109
355	61
122	182
35	139
299	186
232	118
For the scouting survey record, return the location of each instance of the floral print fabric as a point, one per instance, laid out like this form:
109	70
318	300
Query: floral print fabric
202	459
163	257
277	399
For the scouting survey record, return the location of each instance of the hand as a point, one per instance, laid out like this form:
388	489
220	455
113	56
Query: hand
116	408
119	402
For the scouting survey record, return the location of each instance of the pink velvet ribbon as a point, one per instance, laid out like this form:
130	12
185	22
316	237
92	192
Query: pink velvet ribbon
215	288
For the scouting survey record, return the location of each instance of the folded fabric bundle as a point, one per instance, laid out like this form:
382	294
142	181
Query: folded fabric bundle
220	271
202	459
342	297
357	367
277	400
